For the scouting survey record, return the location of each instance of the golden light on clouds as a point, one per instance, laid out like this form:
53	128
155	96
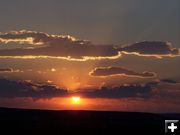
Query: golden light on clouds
28	40
69	58
159	56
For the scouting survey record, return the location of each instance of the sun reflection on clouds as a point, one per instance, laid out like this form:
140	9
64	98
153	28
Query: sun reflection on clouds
69	58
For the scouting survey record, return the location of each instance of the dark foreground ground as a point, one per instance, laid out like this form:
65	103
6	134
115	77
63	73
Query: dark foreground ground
42	122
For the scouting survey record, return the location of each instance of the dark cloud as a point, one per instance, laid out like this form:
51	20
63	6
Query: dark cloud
12	89
28	89
34	38
151	48
66	47
9	70
162	81
146	91
154	83
169	81
111	71
6	70
126	91
69	48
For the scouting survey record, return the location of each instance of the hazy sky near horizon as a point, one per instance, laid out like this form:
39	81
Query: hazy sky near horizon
126	51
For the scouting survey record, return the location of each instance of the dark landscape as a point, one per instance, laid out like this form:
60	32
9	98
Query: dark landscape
31	122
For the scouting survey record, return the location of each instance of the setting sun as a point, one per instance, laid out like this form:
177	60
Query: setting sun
76	100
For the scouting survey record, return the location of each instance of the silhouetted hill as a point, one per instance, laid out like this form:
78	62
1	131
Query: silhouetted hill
41	122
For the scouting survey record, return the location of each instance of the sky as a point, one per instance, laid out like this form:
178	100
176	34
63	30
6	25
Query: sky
118	55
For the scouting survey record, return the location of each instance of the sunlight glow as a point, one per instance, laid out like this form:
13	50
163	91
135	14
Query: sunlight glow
76	100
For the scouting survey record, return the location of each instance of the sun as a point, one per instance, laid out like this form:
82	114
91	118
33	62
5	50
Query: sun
76	100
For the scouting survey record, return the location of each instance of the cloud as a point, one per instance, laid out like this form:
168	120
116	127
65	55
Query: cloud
162	81
6	70
34	38
147	90
69	48
151	48
13	89
9	70
55	46
113	71
126	91
28	89
169	81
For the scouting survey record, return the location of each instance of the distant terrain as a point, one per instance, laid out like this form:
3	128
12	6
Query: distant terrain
41	122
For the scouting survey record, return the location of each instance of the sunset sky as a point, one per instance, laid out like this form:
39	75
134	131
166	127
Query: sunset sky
116	55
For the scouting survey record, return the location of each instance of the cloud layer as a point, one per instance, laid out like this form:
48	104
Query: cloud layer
128	91
70	48
58	46
34	38
6	70
12	89
151	48
169	81
113	71
9	70
28	89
